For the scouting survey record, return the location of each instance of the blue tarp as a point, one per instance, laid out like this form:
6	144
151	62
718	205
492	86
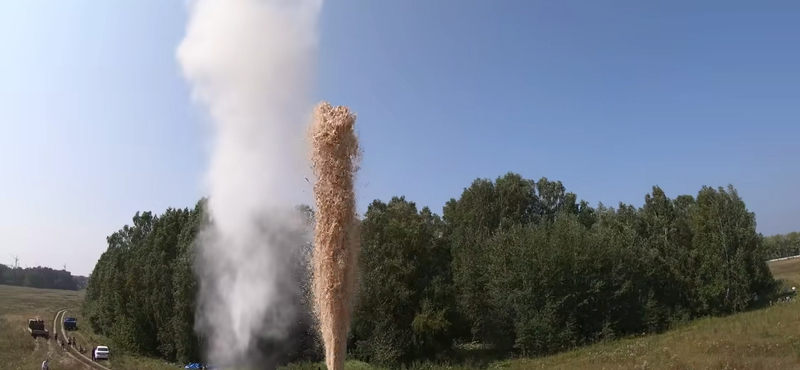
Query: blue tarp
198	366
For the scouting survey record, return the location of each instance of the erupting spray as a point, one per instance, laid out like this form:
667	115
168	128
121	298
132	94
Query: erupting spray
335	156
251	62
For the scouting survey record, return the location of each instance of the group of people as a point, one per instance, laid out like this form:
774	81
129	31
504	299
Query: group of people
70	341
786	296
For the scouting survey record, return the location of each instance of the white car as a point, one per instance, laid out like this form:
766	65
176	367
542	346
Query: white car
101	353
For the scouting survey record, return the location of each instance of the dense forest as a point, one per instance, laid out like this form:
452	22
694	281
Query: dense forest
514	266
41	277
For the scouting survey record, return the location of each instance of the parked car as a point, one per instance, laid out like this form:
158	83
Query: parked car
100	353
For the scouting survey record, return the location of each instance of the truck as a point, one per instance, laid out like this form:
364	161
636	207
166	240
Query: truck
70	323
37	329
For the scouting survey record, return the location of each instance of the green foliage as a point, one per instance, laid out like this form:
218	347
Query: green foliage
142	291
405	299
519	266
537	272
40	277
779	246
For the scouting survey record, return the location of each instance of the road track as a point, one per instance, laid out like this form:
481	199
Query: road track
784	258
58	327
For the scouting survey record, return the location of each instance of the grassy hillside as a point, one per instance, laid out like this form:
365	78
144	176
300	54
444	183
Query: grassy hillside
763	339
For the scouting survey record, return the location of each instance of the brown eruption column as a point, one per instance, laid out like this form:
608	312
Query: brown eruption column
334	155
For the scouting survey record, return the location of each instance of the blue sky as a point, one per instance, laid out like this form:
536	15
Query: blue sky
96	121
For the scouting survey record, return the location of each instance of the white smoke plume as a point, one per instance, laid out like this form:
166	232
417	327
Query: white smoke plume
250	62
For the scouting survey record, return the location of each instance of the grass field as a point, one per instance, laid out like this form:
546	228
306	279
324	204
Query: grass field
17	349
788	270
762	339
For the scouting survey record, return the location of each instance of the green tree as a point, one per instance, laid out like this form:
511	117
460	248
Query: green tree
521	266
779	246
404	302
732	264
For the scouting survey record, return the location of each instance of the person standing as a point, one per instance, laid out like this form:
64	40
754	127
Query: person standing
46	364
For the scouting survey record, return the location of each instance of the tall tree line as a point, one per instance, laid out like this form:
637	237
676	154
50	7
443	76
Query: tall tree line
40	277
519	266
142	291
782	245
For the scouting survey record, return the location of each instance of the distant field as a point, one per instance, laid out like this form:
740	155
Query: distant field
18	350
788	270
763	339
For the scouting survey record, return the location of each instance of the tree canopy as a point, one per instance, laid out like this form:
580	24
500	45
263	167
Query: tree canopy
782	245
40	277
519	266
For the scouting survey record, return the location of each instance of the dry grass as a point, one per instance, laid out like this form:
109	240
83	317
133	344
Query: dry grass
17	349
763	339
787	270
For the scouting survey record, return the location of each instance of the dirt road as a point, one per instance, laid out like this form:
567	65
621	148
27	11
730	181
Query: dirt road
58	327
